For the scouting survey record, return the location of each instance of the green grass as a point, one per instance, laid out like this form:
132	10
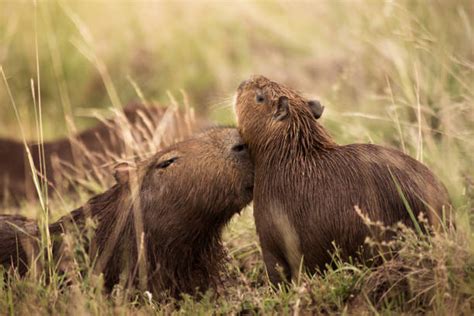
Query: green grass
396	73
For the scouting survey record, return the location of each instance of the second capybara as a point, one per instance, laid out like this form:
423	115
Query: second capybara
307	186
89	154
159	227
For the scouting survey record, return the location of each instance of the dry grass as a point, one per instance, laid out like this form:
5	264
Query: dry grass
398	73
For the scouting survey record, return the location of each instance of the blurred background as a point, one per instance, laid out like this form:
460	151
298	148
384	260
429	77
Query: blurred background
398	73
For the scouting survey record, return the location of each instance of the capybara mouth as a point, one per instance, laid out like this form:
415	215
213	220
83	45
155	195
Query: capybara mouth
247	196
249	193
249	189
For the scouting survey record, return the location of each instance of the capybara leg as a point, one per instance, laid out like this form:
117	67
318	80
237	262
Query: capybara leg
278	270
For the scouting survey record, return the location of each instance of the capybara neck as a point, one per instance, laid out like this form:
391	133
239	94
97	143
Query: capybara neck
301	138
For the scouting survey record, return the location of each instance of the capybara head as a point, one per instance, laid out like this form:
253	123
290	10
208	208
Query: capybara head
203	180
262	104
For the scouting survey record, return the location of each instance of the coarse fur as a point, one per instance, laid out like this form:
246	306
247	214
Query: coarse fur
168	210
91	151
307	186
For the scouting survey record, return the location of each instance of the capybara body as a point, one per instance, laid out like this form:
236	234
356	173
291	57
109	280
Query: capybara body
307	186
90	153
17	235
168	210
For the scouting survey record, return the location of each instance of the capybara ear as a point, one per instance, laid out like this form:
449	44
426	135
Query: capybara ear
316	108
122	172
281	111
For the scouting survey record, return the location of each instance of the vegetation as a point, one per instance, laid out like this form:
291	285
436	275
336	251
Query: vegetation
399	73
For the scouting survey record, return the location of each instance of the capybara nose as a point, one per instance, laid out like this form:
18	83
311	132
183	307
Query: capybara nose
242	84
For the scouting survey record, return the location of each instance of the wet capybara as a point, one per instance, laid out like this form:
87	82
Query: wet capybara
160	225
307	186
88	155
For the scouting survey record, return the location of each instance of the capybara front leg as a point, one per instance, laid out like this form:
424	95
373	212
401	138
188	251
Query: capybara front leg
278	269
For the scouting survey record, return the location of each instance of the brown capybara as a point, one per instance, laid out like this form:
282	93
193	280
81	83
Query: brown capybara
17	230
168	210
307	186
141	128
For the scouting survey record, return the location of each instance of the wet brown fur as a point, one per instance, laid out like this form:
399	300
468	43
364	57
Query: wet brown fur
307	186
172	216
91	150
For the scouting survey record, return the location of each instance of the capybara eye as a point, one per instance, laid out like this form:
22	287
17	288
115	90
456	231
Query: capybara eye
260	98
239	148
165	164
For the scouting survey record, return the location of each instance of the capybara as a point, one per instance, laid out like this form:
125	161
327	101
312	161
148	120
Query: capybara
16	237
168	210
307	186
141	128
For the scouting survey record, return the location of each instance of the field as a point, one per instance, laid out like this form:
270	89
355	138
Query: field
395	73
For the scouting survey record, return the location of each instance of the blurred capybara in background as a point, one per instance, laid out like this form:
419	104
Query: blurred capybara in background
89	155
160	225
307	186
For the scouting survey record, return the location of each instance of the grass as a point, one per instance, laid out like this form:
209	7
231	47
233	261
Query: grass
397	73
